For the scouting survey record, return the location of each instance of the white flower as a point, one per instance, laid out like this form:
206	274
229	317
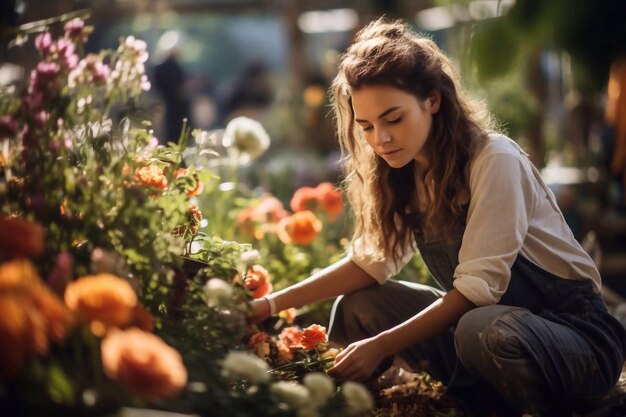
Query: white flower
358	398
320	386
245	365
249	257
295	395
247	136
216	291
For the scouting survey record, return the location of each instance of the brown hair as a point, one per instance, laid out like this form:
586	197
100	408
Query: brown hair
383	198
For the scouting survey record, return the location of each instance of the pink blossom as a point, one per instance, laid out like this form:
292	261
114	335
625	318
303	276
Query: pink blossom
67	50
43	43
74	27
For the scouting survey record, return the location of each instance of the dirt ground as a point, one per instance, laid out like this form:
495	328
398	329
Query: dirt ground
421	396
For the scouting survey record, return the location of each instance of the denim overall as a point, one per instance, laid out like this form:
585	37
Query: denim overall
549	345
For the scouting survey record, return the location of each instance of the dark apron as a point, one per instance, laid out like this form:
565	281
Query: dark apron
571	303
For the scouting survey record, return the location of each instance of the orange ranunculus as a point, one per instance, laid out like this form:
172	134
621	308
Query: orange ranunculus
20	238
257	280
195	217
56	316
18	274
305	198
260	344
330	199
313	336
198	186
288	315
21	334
102	298
30	316
151	175
143	363
301	228
291	337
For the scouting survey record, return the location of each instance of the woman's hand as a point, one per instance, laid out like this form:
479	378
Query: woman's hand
359	360
259	311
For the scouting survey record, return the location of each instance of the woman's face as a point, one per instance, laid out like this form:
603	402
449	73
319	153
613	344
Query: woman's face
395	123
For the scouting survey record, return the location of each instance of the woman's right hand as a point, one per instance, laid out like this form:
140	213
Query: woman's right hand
259	310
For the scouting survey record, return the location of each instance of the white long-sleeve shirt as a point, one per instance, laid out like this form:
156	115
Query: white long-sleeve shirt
511	212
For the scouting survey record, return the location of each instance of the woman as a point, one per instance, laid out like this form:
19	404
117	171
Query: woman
521	326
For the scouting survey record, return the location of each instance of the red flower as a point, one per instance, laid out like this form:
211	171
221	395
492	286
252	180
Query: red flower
313	336
257	281
301	228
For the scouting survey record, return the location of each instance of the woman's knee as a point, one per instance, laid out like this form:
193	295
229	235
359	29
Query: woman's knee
488	334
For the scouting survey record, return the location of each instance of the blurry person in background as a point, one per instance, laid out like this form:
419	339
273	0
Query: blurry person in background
251	94
171	83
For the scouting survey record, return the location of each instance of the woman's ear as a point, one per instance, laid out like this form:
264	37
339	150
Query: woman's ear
434	101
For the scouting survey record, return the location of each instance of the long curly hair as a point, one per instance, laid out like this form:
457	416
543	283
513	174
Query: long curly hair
384	199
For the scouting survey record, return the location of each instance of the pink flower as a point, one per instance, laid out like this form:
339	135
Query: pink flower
74	28
43	43
67	50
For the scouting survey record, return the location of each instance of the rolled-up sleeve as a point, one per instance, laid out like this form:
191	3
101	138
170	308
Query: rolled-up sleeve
380	270
502	201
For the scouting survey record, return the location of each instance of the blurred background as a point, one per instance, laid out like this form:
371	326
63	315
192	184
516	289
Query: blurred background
553	72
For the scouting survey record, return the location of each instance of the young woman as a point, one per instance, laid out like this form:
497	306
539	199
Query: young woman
520	326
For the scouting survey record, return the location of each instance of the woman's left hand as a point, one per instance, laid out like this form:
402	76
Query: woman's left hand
358	361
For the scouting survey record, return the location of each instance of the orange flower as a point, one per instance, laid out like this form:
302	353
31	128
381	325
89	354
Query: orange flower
198	186
285	354
19	274
288	315
291	337
30	316
330	199
301	228
257	280
305	198
194	217
20	238
102	298
313	336
151	175
259	343
143	363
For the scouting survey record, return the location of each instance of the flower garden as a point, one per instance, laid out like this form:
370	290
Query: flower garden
126	266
